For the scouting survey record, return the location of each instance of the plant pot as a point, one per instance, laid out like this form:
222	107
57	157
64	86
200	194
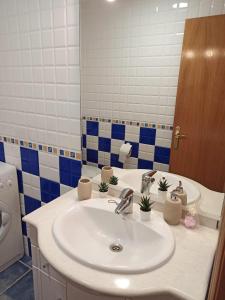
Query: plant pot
103	194
84	189
106	174
112	190
145	215
162	196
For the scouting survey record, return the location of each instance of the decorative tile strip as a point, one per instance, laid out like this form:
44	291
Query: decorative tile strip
42	148
131	123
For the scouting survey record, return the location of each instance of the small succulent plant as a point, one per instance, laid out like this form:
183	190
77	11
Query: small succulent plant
103	187
146	203
113	180
163	185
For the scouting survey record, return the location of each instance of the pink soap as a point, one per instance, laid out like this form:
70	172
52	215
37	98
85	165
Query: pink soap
190	222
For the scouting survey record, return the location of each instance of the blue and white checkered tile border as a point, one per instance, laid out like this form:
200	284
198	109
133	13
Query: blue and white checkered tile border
102	139
44	173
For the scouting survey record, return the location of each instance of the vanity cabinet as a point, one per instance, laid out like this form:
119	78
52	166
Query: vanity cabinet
74	293
48	283
46	287
51	285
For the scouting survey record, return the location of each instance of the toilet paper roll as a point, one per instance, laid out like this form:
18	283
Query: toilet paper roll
125	152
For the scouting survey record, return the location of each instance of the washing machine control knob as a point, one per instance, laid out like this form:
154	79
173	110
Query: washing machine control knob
9	182
1	185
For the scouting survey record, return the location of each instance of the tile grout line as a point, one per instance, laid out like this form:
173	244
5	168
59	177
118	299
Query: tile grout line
26	265
17	280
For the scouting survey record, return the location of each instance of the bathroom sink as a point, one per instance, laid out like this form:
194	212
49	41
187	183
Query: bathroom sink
133	180
92	234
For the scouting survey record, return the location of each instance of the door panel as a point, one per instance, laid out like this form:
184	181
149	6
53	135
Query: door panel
200	105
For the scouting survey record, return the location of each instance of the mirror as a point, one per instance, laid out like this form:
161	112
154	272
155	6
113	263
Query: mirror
131	54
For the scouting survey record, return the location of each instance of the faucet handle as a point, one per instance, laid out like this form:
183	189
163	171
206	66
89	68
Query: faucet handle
148	174
127	192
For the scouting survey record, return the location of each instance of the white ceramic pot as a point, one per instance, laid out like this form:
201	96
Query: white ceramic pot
103	194
162	195
84	189
112	190
106	174
145	215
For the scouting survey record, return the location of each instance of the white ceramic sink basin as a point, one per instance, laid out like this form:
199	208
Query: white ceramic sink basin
133	180
87	231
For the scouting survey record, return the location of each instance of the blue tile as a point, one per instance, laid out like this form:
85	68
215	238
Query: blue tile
50	190
92	128
20	181
118	132
147	136
2	152
114	161
162	155
104	144
145	164
27	260
84	141
70	171
31	204
92	156
135	149
22	289
30	161
11	274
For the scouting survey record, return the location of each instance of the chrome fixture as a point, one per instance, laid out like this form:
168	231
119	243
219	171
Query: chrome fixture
126	204
147	181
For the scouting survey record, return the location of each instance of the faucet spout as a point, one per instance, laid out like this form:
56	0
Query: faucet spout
126	204
147	182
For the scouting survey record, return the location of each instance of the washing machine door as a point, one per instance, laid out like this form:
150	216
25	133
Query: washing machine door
5	221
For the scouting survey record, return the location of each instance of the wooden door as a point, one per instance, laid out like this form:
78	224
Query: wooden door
200	104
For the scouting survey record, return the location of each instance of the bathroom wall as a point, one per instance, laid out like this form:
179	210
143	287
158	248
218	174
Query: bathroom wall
40	97
130	56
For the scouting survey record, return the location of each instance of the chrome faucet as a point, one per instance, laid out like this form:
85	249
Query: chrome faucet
126	204
147	181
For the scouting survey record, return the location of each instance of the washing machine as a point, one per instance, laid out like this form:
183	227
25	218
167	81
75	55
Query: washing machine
11	239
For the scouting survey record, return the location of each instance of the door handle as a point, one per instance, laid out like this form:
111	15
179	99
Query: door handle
177	137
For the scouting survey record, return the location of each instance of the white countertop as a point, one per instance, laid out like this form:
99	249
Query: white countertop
186	274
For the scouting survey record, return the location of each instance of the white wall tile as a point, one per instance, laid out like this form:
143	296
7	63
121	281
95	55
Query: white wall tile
131	55
31	185
12	155
34	75
64	189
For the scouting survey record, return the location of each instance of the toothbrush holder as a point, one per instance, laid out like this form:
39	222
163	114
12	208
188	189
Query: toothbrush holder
84	189
106	173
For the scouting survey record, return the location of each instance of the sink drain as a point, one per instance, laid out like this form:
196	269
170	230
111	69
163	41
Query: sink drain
116	247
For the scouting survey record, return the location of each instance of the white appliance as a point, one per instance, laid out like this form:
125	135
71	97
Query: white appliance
11	239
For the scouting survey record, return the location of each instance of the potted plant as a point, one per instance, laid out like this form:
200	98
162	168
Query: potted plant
103	189
163	188
113	181
145	208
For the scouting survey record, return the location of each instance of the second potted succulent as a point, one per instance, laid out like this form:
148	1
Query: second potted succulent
163	188
145	208
113	182
103	189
